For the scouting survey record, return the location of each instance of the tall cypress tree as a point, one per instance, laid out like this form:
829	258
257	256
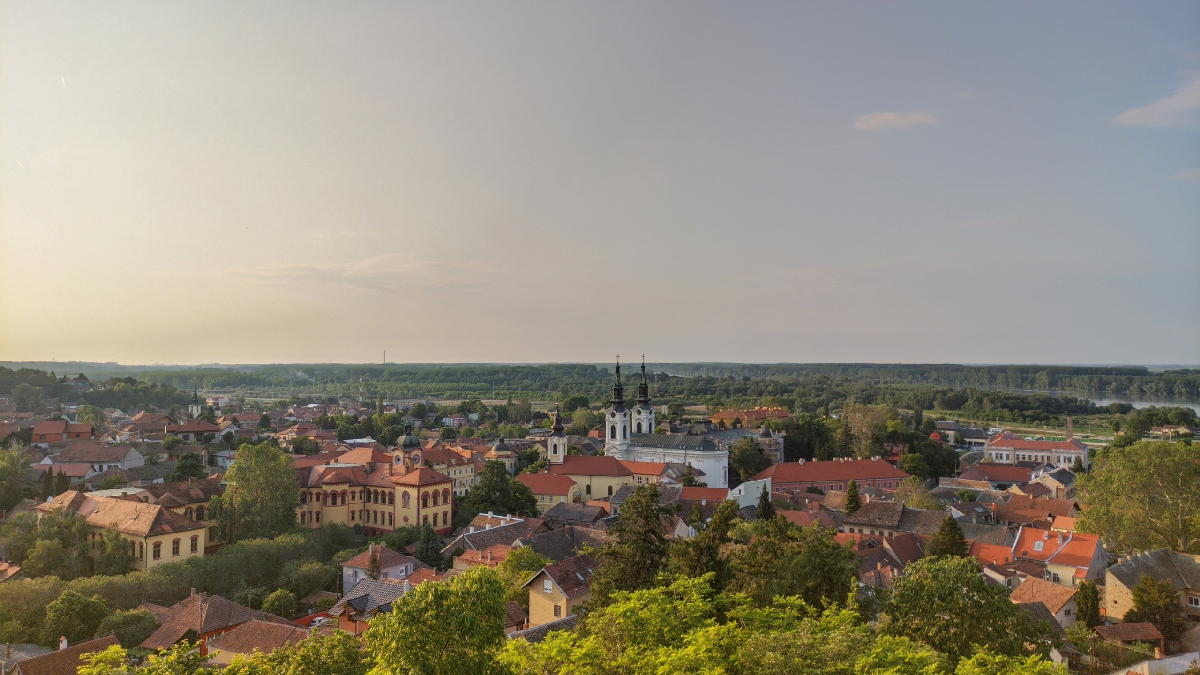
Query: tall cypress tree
62	483
766	510
853	500
948	541
1088	604
637	550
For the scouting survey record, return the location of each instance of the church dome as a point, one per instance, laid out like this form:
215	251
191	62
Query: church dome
408	440
499	449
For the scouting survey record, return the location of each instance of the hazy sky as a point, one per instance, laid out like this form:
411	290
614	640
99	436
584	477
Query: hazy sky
559	181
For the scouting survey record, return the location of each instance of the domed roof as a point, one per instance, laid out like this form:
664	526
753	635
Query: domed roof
408	440
764	432
499	448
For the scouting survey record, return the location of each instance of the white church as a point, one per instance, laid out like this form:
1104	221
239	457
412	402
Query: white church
630	436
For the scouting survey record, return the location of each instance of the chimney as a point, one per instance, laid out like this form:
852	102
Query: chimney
62	641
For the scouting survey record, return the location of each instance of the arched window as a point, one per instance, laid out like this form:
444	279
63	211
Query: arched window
188	513
623	435
435	497
609	490
324	498
303	497
445	495
344	501
612	432
391	497
405	501
391	518
639	427
424	500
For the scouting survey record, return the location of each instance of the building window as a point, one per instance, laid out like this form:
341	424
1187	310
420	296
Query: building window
547	586
175	547
157	554
195	543
557	611
1194	601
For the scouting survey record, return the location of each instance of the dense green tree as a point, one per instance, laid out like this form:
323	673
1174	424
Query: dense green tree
74	616
516	569
261	494
947	604
1143	497
112	556
497	492
765	509
373	570
781	560
400	538
853	499
989	663
429	548
171	441
704	553
131	626
62	483
1158	603
948	540
12	469
280	602
913	494
637	546
264	422
189	465
1087	603
412	637
747	459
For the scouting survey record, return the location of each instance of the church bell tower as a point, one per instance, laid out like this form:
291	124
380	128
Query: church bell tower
643	414
556	442
616	422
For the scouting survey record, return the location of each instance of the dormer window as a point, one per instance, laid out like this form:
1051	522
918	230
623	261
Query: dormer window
1037	545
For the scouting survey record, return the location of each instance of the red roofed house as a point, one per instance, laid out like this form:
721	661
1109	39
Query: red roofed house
60	431
834	474
205	616
645	472
1070	557
1059	599
555	592
997	476
1008	448
596	475
550	489
193	431
392	565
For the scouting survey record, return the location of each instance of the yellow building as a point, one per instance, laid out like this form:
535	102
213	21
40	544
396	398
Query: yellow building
155	534
597	476
550	489
379	496
559	589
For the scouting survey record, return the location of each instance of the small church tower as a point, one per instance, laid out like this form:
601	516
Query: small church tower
643	414
616	423
556	442
194	408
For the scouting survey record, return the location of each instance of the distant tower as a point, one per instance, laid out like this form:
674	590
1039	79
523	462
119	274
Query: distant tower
556	442
616	438
643	414
194	408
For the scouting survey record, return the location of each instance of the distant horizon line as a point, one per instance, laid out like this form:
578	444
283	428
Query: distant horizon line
230	364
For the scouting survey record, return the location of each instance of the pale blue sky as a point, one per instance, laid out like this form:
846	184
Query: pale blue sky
559	181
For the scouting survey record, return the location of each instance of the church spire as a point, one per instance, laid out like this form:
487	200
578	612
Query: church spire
618	399
644	387
557	428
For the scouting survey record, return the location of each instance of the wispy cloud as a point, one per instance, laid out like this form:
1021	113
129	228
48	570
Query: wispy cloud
1190	174
1179	109
890	121
386	272
321	235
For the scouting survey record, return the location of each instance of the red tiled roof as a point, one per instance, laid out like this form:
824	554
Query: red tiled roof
1130	632
202	613
547	483
1075	549
698	493
265	636
1052	595
387	558
988	554
50	427
193	427
64	660
644	468
1057	507
1007	440
807	472
590	465
422	476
